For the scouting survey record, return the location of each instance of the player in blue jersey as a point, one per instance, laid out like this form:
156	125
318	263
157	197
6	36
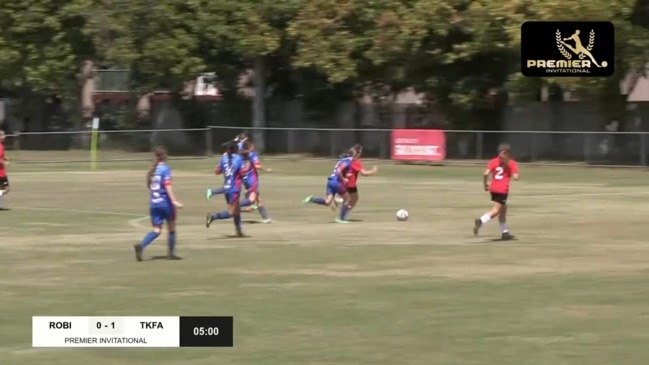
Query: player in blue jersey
241	139
254	158
163	204
250	179
336	186
230	166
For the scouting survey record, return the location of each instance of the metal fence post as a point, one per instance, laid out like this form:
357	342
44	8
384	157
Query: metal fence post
480	144
209	144
17	142
332	142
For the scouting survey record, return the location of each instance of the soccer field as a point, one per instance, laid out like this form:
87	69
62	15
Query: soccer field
572	289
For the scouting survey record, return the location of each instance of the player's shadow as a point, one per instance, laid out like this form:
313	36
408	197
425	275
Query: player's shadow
228	237
499	240
355	220
164	257
251	222
4	209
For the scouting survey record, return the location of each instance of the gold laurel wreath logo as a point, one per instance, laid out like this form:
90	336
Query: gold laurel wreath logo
591	43
563	51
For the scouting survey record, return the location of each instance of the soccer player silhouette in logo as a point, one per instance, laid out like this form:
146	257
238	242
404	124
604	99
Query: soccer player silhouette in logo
579	49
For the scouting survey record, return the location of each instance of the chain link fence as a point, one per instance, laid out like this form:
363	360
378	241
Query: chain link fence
596	148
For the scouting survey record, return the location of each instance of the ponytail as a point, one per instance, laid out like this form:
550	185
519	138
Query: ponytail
160	154
149	174
347	153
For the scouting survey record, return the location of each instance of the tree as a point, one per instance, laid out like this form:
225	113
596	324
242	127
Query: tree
41	45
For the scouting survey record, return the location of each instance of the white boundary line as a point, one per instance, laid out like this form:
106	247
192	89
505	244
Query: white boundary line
137	222
583	194
102	212
139	217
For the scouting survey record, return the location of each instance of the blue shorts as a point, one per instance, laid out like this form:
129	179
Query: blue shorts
162	213
232	196
335	187
251	185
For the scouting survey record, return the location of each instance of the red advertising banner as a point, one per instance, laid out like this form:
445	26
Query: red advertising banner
418	145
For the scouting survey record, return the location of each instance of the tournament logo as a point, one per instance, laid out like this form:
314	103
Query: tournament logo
587	52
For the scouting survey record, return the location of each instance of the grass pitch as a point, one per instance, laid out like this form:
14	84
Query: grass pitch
571	290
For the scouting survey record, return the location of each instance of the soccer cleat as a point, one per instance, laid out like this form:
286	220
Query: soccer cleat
138	252
476	226
254	207
208	194
240	233
267	221
506	236
338	220
174	257
307	199
208	220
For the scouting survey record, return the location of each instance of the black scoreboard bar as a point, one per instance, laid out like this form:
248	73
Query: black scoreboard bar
206	331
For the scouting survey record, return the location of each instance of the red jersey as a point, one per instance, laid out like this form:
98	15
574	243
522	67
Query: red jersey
501	175
3	170
352	173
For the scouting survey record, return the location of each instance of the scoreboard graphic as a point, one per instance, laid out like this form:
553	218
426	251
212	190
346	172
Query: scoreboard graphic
132	332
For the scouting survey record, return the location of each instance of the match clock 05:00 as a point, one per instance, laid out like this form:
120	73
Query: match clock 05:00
206	331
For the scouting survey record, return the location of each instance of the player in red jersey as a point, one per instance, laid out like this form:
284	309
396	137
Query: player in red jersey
4	180
356	168
501	169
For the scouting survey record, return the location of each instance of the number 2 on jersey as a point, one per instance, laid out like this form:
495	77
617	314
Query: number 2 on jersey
155	186
499	173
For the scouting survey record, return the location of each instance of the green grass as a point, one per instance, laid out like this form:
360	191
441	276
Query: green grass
571	290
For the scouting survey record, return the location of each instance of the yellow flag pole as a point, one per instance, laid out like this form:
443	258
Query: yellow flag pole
94	140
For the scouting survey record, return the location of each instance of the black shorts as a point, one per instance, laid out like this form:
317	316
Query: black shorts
352	190
499	198
4	182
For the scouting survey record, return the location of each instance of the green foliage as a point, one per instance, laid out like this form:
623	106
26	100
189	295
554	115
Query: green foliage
40	44
456	52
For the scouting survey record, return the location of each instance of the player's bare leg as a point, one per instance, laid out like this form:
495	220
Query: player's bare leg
353	200
495	210
502	221
254	198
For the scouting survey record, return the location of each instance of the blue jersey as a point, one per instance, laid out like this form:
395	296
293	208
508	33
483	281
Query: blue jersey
345	163
249	167
240	145
158	186
230	167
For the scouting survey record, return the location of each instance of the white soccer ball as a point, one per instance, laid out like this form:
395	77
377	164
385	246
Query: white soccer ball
402	214
338	199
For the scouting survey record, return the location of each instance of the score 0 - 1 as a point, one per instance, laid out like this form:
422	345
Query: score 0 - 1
110	325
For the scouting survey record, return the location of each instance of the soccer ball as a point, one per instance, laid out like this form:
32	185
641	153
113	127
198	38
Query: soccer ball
402	215
338	199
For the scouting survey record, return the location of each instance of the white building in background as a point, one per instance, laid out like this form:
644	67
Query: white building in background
636	86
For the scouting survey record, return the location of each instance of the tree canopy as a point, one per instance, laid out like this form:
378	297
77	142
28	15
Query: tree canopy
453	51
